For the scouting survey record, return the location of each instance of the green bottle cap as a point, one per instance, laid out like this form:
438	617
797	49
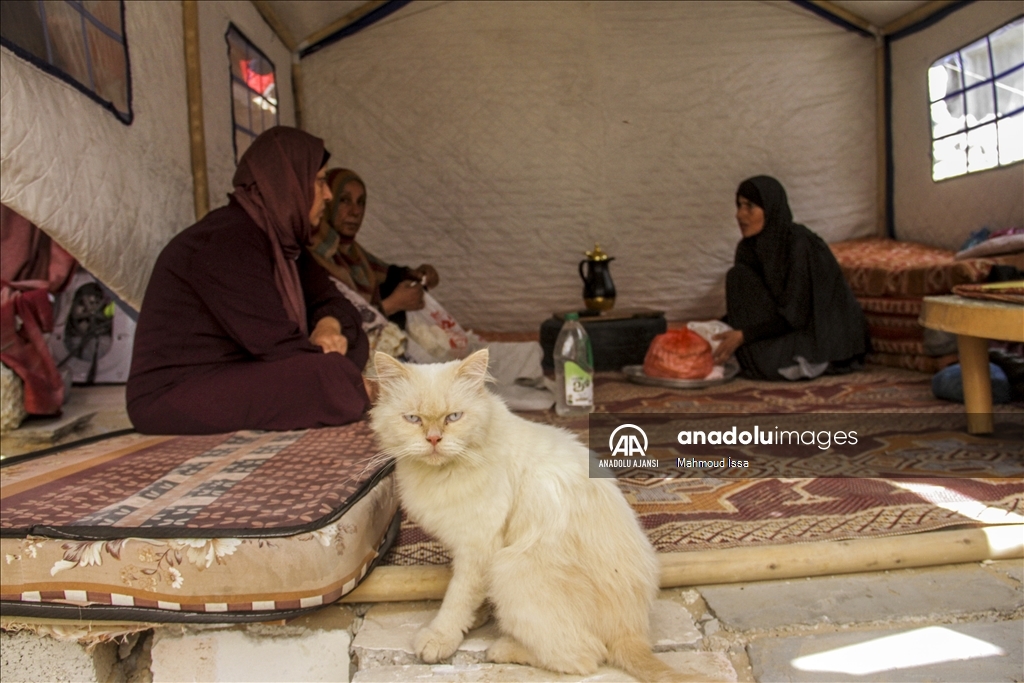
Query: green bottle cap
572	316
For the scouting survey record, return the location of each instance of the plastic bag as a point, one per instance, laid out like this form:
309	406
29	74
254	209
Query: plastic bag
436	331
383	335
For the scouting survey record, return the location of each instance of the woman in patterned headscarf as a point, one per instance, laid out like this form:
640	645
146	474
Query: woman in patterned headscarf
793	312
239	329
389	288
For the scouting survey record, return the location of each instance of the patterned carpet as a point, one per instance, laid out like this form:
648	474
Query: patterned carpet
931	477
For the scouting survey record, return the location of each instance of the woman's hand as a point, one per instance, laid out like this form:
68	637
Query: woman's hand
327	335
408	296
371	388
427	276
728	342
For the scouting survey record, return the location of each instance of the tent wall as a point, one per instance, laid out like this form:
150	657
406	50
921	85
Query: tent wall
944	213
214	18
499	140
112	194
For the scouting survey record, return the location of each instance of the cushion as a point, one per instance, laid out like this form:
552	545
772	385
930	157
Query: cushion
876	266
891	305
228	527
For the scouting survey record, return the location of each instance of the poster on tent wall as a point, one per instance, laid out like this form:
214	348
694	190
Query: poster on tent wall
92	335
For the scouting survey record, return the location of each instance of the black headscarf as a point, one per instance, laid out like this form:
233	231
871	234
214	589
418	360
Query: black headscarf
768	251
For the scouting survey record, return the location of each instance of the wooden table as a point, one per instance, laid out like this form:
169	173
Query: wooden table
974	322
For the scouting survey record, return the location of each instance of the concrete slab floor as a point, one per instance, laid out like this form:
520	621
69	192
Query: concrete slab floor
860	598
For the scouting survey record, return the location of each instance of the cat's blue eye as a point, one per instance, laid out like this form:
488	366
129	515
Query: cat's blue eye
415	419
452	417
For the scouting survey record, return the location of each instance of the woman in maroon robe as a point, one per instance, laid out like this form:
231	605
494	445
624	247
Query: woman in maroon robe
239	328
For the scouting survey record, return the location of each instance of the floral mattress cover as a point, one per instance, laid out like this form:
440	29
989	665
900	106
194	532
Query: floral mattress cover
228	527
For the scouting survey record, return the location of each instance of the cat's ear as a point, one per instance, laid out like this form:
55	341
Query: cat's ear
388	369
475	367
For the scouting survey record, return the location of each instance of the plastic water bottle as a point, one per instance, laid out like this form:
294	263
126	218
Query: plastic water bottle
574	369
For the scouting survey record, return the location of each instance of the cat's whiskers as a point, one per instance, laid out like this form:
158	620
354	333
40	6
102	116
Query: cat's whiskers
375	461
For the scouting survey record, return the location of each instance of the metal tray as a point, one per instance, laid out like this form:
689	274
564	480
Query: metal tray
635	373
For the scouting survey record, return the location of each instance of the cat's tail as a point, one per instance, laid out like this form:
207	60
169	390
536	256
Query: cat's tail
633	655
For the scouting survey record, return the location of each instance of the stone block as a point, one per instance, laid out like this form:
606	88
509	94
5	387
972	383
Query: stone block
858	598
28	658
672	627
386	634
953	653
235	654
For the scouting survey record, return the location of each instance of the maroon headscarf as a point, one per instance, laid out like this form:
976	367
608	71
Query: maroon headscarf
274	183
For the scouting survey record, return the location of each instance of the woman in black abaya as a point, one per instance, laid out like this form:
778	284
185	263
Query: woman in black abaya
794	316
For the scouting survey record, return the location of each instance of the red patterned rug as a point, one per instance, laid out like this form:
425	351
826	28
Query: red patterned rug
923	486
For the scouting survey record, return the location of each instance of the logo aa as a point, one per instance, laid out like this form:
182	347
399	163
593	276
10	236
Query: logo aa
628	445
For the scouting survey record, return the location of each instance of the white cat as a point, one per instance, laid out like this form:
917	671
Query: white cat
560	556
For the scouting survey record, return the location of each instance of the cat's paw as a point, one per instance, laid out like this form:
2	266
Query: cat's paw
432	646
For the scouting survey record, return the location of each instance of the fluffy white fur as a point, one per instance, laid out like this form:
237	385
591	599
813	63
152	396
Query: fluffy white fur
560	556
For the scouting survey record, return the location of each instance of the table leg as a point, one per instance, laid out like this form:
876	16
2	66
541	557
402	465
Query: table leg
977	383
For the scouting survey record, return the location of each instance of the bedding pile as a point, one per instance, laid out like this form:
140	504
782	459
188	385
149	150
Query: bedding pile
890	280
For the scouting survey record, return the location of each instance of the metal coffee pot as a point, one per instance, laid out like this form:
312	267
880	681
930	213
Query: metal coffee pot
598	288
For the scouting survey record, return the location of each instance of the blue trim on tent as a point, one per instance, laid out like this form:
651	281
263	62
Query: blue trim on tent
366	20
929	20
828	16
890	183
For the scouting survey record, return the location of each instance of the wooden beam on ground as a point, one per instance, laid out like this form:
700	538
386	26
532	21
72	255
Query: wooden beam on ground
275	23
194	95
350	18
846	15
914	16
743	565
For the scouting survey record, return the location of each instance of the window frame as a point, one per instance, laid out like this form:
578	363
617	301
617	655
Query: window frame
125	117
233	79
963	92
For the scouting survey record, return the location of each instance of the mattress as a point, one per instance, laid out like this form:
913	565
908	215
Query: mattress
882	267
247	526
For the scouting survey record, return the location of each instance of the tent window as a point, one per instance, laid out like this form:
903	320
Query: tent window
81	42
253	91
977	104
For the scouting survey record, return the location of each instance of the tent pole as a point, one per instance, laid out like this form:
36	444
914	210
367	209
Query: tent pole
194	88
297	90
881	126
274	22
350	18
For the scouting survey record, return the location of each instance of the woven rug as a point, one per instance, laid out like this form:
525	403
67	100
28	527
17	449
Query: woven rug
925	484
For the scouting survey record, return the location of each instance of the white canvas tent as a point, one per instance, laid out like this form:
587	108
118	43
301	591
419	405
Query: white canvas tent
500	140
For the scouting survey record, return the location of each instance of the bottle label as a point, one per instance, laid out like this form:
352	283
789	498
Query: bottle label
579	385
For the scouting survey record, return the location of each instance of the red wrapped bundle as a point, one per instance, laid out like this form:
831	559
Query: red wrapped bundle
679	354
